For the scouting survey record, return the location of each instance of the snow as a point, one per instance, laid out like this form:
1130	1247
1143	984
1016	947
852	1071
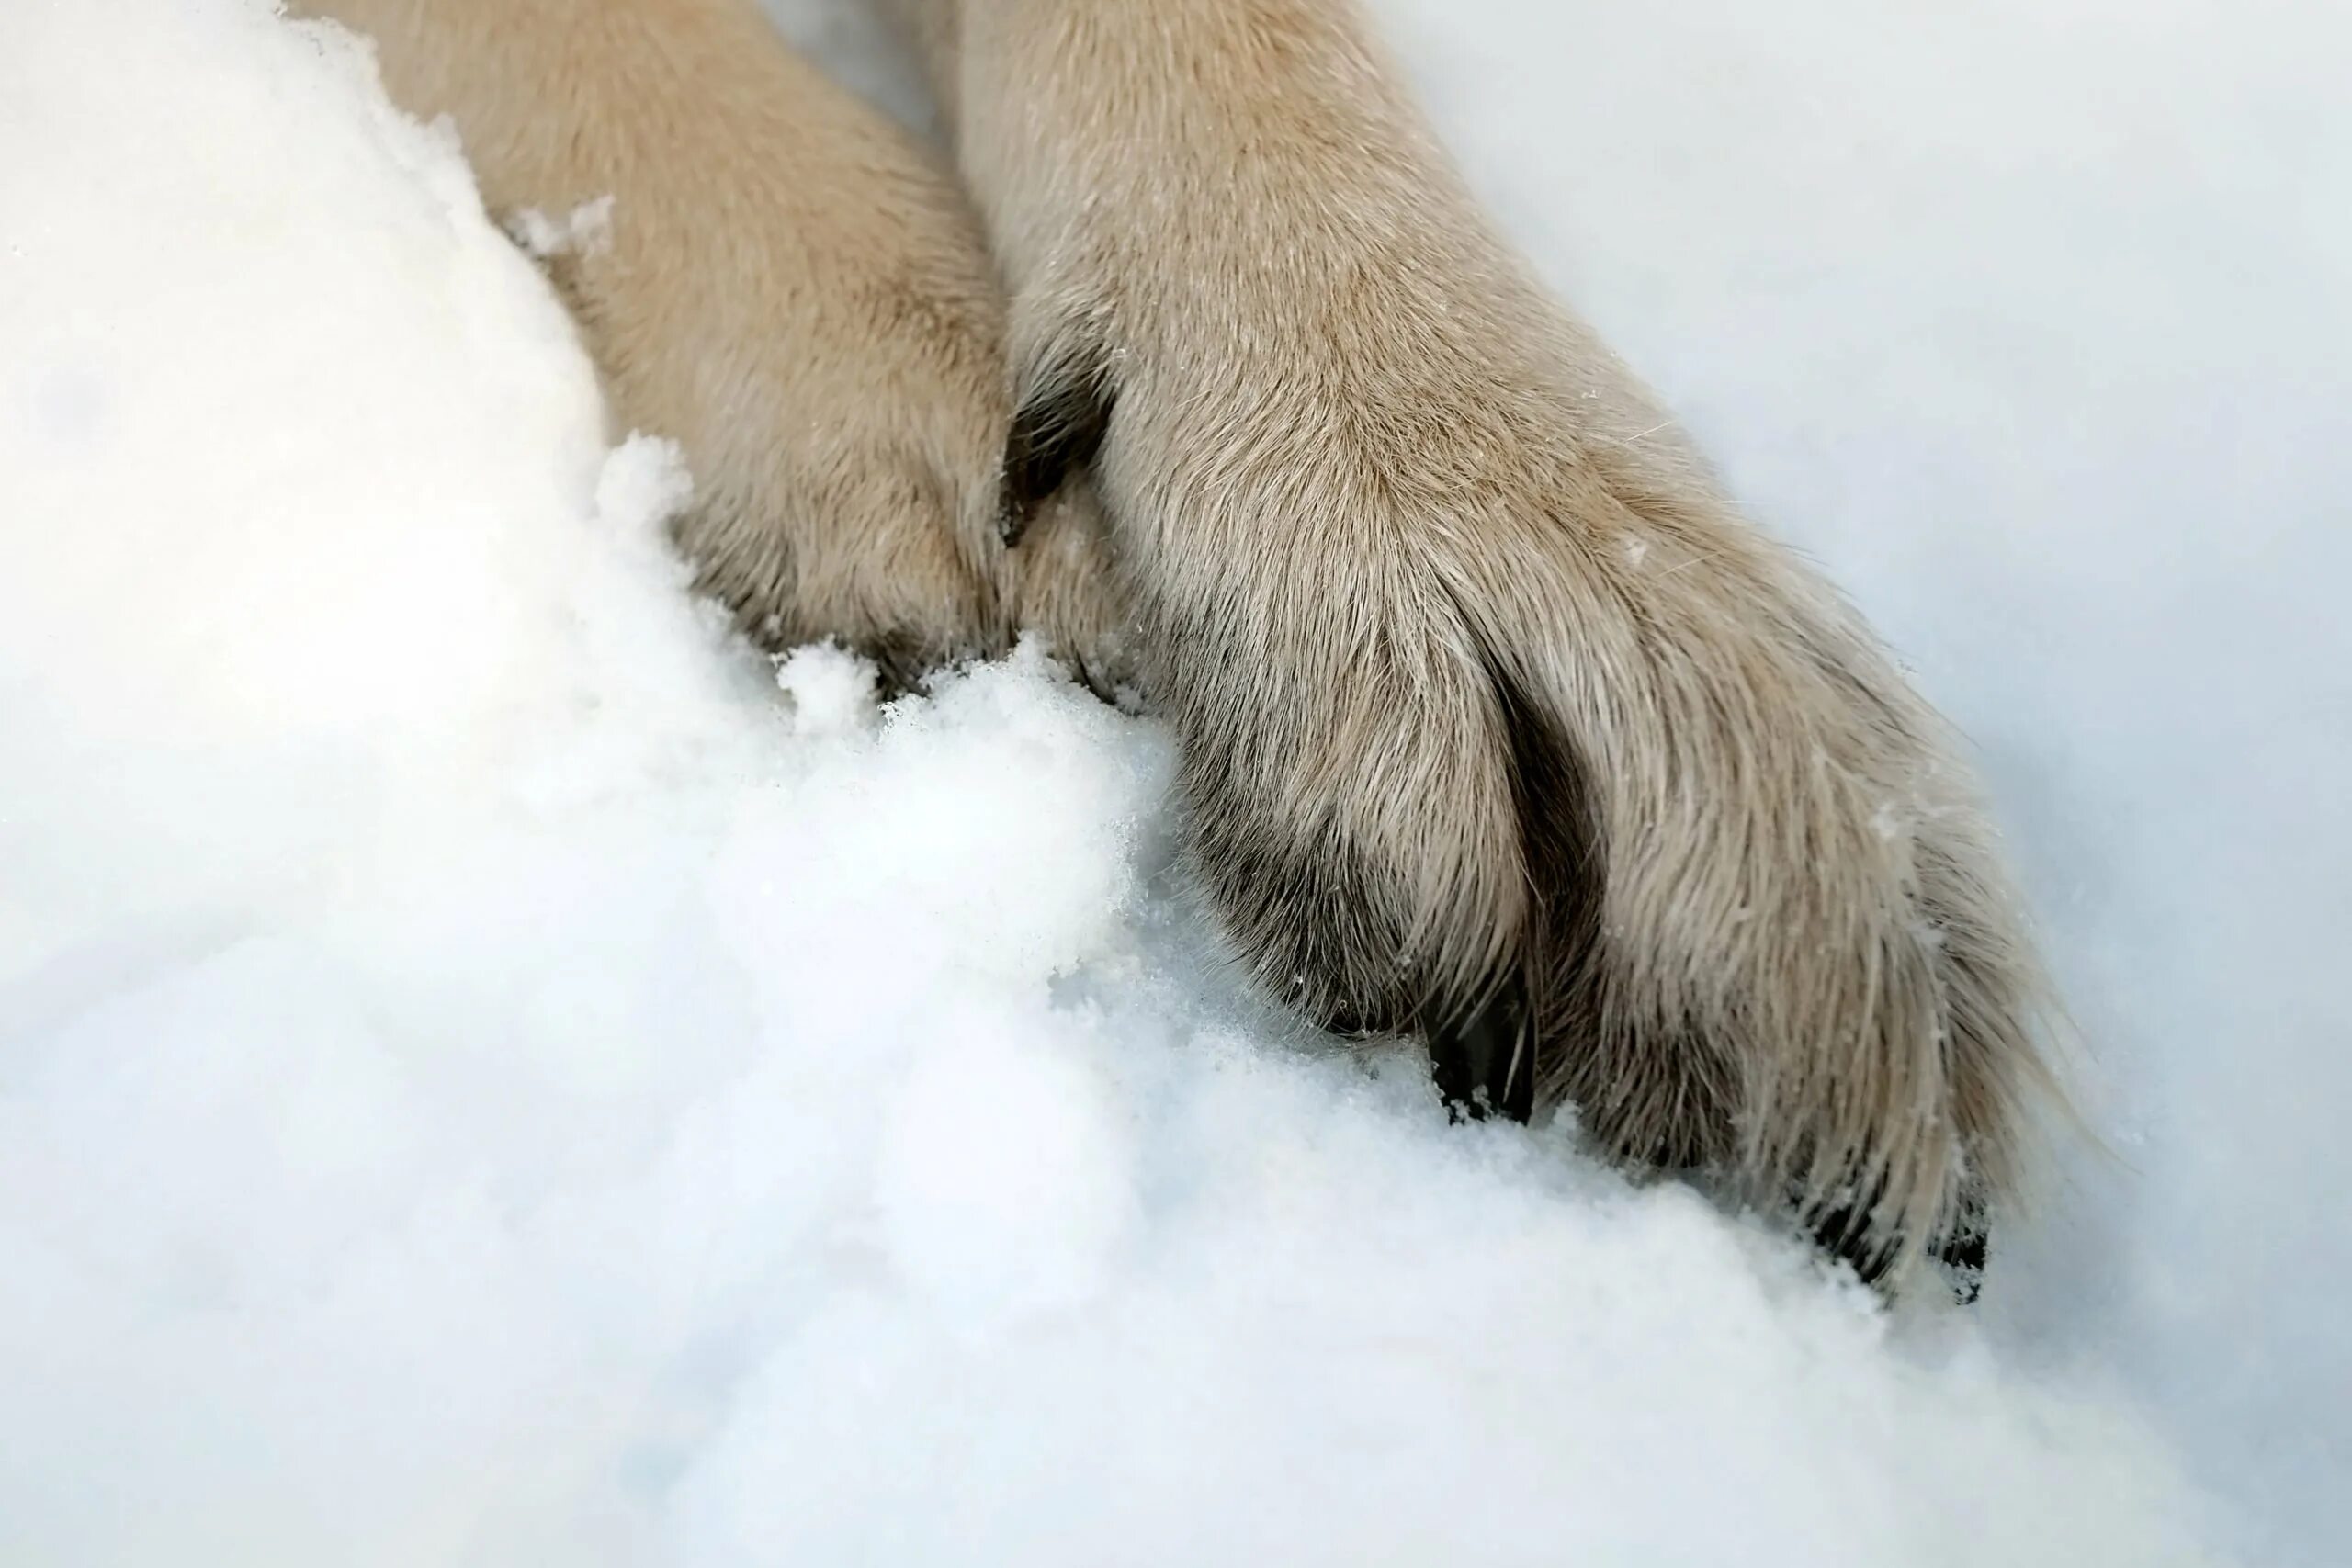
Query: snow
490	1072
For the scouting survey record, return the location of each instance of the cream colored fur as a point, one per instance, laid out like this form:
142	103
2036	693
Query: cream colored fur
1499	723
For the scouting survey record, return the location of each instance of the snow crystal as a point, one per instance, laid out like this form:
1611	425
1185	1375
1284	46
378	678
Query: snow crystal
831	689
586	229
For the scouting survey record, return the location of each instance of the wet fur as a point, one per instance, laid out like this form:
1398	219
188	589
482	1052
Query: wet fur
1498	724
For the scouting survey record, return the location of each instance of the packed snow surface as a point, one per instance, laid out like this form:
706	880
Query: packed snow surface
490	1071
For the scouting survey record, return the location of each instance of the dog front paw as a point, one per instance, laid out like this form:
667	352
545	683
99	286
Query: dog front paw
770	273
1500	724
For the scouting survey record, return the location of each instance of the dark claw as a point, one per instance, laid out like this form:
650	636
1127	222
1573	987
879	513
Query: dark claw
1962	1253
1065	413
1483	1066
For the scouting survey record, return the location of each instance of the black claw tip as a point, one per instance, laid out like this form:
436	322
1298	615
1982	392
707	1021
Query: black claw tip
1484	1064
1841	1234
1064	415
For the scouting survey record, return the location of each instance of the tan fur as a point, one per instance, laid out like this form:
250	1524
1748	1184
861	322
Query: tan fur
790	288
1498	722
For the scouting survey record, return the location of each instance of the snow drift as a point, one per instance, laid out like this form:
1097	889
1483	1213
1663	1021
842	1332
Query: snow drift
490	1071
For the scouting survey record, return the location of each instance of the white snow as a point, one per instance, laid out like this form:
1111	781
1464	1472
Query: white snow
490	1073
586	229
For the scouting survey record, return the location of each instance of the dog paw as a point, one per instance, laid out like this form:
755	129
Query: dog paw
1498	724
769	271
833	361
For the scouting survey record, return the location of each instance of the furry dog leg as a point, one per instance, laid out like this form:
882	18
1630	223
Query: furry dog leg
1497	721
785	284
